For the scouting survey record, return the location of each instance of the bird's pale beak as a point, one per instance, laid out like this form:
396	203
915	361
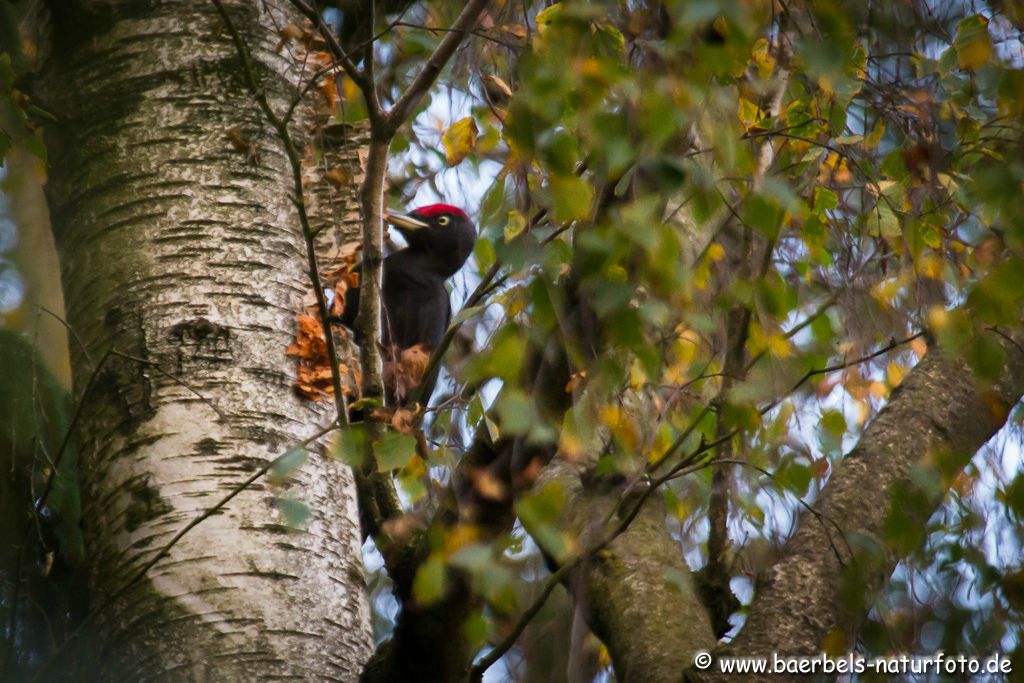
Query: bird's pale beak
404	221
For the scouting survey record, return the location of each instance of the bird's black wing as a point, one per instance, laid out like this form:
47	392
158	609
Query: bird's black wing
429	381
348	316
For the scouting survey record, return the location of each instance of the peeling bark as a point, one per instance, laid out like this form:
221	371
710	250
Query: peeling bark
181	250
935	421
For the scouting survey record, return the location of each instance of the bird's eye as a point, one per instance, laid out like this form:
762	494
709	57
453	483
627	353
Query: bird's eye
444	220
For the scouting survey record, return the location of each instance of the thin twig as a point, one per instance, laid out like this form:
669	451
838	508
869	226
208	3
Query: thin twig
421	83
488	283
383	126
341	56
294	161
820	516
477	671
196	521
686	466
62	449
842	366
71	331
476	32
171	376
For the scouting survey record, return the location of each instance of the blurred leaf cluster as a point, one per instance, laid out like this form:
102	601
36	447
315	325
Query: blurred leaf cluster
864	162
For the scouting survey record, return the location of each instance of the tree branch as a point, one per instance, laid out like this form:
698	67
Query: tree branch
421	83
379	500
937	419
358	76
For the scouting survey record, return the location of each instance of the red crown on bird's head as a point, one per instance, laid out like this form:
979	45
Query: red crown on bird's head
437	209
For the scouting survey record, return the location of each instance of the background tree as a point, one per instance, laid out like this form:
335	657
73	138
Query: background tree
721	245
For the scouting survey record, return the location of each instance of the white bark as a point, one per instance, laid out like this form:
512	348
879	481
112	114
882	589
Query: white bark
178	248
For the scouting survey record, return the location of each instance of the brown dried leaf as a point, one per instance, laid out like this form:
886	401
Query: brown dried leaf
338	176
401	527
530	473
313	378
402	421
403	371
338	303
487	485
415	360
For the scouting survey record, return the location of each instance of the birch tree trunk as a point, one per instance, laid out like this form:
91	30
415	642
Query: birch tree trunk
181	249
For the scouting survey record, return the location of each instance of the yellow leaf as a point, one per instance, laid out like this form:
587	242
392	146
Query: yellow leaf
748	113
885	291
662	442
973	43
460	536
716	252
938	318
701	276
516	224
876	135
863	409
878	390
931	266
683	353
571	447
637	376
779	346
882	186
459	139
919	346
762	58
547	16
894	374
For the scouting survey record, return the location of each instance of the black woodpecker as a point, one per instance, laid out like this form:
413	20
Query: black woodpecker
417	308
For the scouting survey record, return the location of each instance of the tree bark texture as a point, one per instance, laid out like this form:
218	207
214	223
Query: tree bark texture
637	594
183	250
932	426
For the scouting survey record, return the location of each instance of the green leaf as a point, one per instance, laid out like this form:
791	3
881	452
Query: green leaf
494	200
892	165
366	403
348	446
484	253
295	512
547	17
286	464
503	358
467	313
834	422
539	513
824	200
475	629
885	223
516	411
410	479
572	198
428	586
475	410
394	450
986	357
763	214
515	226
848	139
35	145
